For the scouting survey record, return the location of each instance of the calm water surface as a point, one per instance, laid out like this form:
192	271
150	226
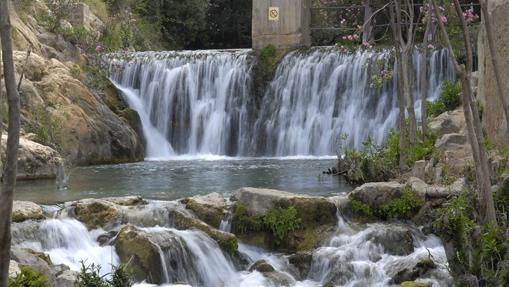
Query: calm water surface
170	180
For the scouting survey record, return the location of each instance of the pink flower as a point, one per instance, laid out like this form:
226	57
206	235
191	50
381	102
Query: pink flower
443	19
350	37
430	46
98	48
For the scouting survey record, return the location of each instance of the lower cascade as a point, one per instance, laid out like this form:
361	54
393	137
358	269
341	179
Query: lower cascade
203	102
151	237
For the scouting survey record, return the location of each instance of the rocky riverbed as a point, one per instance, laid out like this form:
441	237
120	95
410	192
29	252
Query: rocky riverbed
253	237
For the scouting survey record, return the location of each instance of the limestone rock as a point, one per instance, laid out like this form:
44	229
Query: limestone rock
448	123
412	272
67	278
376	194
126	200
261	266
13	269
395	239
36	161
136	246
448	140
317	217
39	262
419	169
209	208
25	210
95	213
90	132
302	262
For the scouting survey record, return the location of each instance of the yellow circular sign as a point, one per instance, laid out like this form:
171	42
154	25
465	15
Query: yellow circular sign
274	13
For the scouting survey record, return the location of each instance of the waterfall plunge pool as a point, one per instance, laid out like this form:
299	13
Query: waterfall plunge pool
187	176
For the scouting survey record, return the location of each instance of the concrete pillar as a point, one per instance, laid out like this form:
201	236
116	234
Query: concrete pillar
282	23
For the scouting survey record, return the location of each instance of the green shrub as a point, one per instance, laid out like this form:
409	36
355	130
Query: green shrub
361	209
90	277
449	99
281	221
28	278
403	207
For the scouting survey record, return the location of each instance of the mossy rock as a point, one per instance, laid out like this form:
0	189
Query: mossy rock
227	241
96	213
135	248
209	214
415	284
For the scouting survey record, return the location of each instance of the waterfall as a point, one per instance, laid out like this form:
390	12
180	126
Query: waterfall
202	102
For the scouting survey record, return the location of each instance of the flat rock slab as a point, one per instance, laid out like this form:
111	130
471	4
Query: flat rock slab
259	200
26	210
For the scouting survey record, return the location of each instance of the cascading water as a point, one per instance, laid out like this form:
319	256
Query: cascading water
203	103
353	256
198	101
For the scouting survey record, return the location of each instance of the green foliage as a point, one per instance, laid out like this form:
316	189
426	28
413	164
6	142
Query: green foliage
98	7
278	221
244	222
28	278
76	71
90	277
449	99
281	221
403	207
361	209
47	129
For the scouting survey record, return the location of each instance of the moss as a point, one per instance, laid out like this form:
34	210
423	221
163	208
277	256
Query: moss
281	221
243	222
403	207
209	214
264	69
28	278
415	284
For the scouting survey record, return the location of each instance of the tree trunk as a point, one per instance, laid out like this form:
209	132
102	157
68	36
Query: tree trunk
9	178
487	206
408	93
401	99
367	32
424	84
495	61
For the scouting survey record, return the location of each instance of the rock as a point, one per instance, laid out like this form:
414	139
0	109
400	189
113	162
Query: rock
280	278
302	262
413	272
317	218
39	262
127	200
67	278
419	169
89	132
377	194
35	161
208	208
105	238
261	266
95	213
311	209
25	210
227	241
447	141
137	248
452	122
395	239
415	284
13	269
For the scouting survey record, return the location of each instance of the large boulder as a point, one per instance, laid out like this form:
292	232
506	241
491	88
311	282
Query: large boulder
14	269
95	213
377	194
39	262
395	239
36	161
448	122
209	208
25	210
126	200
138	248
316	216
